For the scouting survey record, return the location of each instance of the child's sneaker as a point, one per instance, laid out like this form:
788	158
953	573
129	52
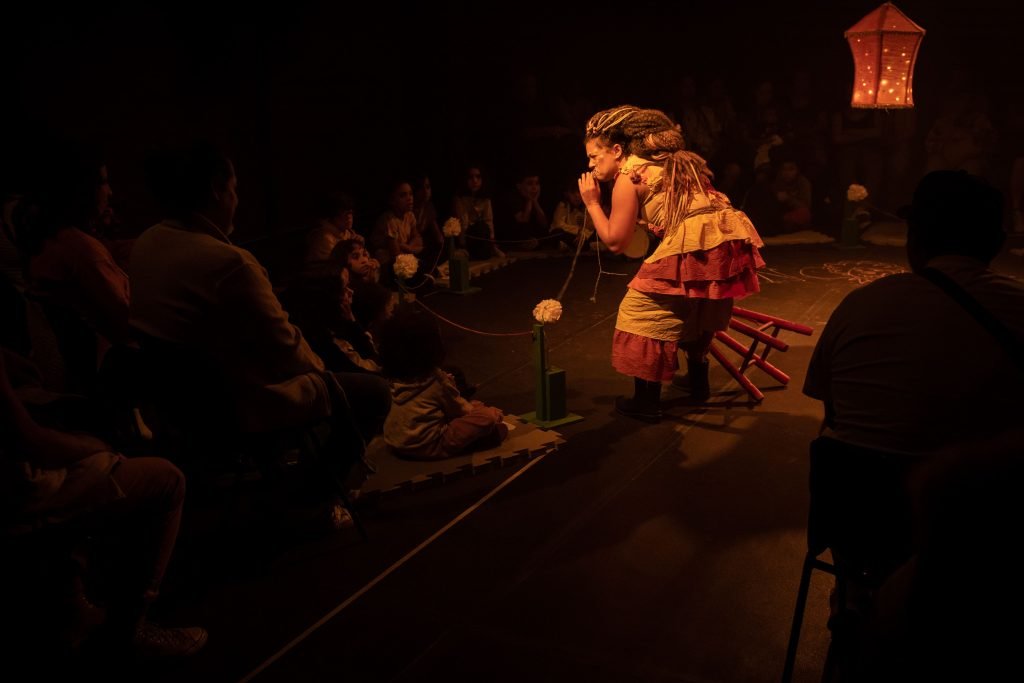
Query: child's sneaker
157	642
339	517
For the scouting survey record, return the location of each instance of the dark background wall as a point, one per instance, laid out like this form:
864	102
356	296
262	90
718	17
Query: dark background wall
306	96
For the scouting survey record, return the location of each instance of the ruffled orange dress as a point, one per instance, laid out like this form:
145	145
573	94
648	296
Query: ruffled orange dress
687	286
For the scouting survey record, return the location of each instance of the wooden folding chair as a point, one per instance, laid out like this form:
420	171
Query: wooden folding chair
766	334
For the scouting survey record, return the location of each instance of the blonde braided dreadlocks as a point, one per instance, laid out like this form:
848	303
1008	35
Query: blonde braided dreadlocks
650	134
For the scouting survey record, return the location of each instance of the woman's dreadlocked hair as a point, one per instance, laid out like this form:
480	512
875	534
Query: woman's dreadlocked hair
650	134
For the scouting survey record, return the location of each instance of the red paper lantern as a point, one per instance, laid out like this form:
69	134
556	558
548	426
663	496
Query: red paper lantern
884	46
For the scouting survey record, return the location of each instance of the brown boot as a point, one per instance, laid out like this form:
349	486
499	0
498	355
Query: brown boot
645	404
697	373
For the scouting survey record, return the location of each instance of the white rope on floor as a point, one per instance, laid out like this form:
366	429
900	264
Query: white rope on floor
387	572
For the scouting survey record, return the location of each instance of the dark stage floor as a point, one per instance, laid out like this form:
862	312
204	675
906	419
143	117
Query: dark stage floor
635	552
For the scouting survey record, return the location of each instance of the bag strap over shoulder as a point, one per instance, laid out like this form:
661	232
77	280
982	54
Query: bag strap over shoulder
984	317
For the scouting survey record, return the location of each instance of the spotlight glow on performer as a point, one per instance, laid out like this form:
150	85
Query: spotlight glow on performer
708	256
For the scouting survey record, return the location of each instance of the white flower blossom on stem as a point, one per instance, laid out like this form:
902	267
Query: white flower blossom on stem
548	311
452	227
856	193
406	266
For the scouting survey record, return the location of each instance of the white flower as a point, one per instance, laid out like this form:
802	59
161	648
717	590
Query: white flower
452	227
856	193
406	266
548	311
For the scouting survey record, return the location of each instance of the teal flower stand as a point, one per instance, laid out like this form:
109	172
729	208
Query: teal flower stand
550	399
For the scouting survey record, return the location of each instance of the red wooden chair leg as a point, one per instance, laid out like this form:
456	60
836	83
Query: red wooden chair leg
747	385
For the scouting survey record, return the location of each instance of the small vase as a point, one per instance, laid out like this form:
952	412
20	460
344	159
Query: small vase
458	269
850	235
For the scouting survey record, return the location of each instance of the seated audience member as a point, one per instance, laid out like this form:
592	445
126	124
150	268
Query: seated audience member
53	479
84	292
903	369
197	291
874	367
780	199
793	193
732	183
336	218
352	254
473	207
396	232
426	221
761	203
320	304
525	220
429	419
571	216
372	304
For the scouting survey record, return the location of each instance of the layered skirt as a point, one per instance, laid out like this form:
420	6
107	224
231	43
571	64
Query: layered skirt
678	300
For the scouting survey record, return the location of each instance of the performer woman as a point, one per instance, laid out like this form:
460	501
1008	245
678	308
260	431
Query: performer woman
708	255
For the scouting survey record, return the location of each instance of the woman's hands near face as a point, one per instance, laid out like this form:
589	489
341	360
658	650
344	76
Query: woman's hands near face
589	189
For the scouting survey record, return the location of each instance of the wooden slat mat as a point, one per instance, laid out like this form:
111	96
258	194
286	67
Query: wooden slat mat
478	268
482	267
395	476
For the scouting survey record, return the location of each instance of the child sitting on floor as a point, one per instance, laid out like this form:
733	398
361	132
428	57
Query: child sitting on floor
429	418
352	254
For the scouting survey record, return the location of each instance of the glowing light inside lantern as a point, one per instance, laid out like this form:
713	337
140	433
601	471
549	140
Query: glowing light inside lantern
885	42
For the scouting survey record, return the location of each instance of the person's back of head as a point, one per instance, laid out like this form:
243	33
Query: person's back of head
331	205
410	345
186	180
63	179
315	297
371	304
954	213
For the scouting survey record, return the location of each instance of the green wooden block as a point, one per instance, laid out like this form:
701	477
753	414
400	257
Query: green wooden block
554	394
458	273
850	236
550	393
